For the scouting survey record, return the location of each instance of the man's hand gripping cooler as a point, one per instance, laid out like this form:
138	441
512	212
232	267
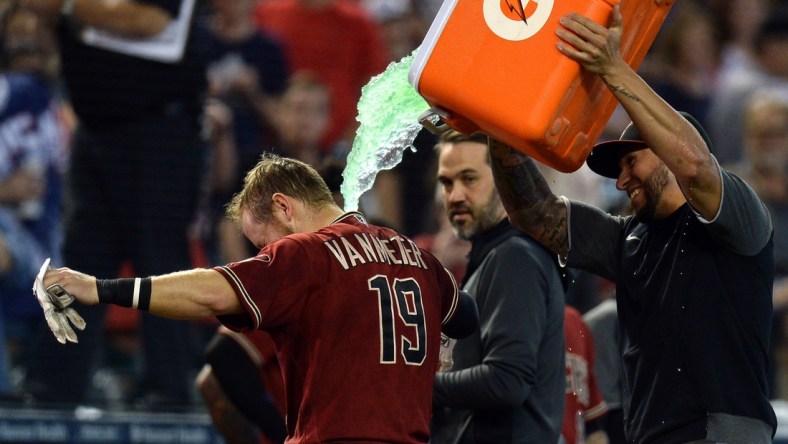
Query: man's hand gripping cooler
55	301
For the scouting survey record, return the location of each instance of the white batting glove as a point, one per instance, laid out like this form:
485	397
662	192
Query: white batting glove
57	312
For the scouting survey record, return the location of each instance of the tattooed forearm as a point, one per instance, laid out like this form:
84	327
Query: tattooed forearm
527	198
555	231
621	90
519	182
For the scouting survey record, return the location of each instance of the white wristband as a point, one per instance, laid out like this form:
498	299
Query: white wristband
67	7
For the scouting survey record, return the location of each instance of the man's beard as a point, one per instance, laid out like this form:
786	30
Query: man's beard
653	187
482	219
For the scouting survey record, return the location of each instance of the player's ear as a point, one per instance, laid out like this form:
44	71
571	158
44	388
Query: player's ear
283	203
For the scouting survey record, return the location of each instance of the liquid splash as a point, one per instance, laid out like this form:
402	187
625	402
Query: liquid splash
388	112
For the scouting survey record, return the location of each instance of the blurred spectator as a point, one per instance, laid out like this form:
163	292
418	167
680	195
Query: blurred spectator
33	144
302	116
247	72
208	230
134	180
726	116
738	22
339	42
685	59
247	69
585	407
765	168
403	29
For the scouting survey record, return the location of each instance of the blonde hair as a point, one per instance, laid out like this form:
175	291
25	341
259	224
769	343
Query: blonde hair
276	174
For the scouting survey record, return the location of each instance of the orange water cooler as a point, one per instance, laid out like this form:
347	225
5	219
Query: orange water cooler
493	66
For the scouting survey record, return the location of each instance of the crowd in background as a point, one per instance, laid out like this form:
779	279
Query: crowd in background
285	76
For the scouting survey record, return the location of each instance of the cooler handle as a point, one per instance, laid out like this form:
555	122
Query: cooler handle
429	119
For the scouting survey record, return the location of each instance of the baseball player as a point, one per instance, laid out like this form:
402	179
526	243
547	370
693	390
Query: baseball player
693	267
355	310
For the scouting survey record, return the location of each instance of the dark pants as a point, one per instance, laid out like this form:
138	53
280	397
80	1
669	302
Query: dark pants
132	193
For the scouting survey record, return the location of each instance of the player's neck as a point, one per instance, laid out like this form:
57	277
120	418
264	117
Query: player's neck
323	216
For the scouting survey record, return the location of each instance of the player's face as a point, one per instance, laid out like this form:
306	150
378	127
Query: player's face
468	189
303	116
643	177
263	233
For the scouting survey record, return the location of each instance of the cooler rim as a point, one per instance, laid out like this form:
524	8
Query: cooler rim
429	42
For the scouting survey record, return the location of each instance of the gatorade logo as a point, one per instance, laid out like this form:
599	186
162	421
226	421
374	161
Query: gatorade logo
516	19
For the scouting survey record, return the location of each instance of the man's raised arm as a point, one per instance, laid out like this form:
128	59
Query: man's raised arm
531	206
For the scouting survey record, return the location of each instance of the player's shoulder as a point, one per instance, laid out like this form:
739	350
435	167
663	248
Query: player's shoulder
524	246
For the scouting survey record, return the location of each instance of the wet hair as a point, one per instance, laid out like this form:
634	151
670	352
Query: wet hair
276	174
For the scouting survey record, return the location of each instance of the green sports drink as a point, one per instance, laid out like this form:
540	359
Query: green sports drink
388	113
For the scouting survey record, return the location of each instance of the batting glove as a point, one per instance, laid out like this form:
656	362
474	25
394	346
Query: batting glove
55	302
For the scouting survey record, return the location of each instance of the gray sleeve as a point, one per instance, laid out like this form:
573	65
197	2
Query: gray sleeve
742	224
512	296
602	321
594	239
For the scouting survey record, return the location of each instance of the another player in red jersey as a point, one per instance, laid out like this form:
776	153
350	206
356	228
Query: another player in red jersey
242	388
585	406
355	310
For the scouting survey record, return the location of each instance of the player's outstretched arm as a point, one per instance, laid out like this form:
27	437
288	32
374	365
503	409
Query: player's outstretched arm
530	204
193	294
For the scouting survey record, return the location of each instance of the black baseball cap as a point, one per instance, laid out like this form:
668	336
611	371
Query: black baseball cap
605	156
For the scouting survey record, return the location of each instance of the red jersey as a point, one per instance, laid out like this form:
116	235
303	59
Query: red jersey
584	400
338	42
356	312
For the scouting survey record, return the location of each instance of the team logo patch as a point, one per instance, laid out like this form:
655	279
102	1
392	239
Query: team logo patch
516	19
